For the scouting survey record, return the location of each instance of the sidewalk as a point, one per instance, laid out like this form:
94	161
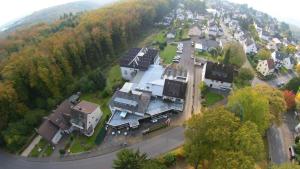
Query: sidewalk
28	150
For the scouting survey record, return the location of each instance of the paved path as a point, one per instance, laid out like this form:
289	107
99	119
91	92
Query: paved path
35	141
153	147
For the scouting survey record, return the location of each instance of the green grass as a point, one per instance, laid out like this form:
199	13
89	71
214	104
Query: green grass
168	54
185	34
43	144
160	37
208	56
114	78
48	151
212	98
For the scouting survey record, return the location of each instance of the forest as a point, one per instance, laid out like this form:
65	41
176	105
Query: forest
42	65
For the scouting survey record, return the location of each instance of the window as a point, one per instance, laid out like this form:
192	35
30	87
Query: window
125	72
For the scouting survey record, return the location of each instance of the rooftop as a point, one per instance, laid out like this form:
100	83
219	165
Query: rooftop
219	72
174	88
139	58
85	107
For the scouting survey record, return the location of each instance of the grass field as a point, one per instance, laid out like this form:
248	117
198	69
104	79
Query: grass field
44	146
168	54
212	98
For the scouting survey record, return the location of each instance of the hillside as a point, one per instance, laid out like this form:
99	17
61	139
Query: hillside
47	63
51	14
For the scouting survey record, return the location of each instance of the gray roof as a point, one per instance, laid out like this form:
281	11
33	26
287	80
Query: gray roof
208	43
130	101
249	41
281	55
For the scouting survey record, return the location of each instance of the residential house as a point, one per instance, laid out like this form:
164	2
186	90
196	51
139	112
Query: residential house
137	59
171	34
195	32
218	76
206	45
266	67
265	36
85	117
250	46
283	59
70	115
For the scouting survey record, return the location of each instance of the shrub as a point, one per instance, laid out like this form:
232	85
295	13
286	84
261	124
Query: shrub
62	152
169	159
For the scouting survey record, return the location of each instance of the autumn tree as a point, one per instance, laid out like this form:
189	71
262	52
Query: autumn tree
234	54
250	105
248	140
277	104
263	54
232	160
289	98
286	166
293	85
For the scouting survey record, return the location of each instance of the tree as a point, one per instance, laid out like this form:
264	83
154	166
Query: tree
293	85
129	159
277	104
207	133
264	54
298	68
234	54
248	140
250	105
289	98
253	32
291	49
232	160
286	166
246	74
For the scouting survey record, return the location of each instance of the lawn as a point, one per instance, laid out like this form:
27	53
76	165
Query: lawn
208	56
212	98
157	35
43	145
168	54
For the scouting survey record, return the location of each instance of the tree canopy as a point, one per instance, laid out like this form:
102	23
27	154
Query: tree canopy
250	105
234	54
263	54
217	136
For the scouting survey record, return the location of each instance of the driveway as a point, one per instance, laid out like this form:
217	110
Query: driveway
153	147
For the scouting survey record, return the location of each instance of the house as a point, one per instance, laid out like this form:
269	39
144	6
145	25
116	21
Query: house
265	36
206	45
171	35
250	46
283	59
137	59
266	67
56	124
70	115
218	76
85	117
195	32
149	95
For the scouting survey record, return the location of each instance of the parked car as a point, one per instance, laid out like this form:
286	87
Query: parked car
179	51
292	153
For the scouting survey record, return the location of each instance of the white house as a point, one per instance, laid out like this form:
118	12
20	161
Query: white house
283	59
266	67
85	117
206	45
218	76
250	46
171	35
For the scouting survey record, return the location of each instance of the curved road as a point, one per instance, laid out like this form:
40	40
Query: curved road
153	147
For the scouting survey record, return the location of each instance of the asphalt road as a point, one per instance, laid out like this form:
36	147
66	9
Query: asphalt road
153	147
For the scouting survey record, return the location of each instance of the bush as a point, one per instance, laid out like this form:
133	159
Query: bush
62	152
169	159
